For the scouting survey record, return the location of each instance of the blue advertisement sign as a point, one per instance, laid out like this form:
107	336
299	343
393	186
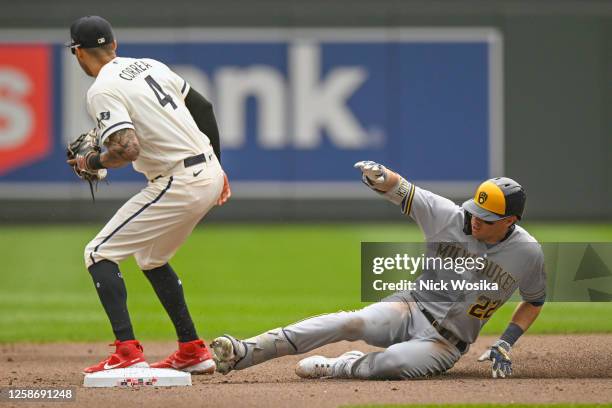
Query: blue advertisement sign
303	106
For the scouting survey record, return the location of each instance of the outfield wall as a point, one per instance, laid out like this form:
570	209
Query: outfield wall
448	93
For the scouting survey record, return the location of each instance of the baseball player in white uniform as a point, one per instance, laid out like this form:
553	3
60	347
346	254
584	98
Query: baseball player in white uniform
149	116
423	332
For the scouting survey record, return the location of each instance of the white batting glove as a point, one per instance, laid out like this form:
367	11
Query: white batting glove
373	174
499	354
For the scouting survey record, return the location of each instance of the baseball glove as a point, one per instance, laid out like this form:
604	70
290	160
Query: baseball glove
78	152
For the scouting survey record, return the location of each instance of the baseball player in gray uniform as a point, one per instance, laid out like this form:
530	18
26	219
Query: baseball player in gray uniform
148	116
423	332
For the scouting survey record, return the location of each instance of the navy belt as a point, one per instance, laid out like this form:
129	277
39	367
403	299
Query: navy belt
447	334
190	161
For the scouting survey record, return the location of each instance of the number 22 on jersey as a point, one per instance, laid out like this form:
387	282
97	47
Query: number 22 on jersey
484	307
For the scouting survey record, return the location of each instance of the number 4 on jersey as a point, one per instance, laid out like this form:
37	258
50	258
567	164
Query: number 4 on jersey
161	96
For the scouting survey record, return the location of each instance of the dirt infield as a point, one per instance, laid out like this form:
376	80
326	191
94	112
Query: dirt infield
547	369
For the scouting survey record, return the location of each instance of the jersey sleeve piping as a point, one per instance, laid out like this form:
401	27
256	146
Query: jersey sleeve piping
407	201
185	89
116	127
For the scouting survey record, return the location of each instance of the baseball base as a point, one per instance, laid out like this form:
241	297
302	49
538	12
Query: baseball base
137	377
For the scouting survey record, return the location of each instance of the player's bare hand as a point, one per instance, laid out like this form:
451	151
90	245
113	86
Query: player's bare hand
373	173
226	193
499	354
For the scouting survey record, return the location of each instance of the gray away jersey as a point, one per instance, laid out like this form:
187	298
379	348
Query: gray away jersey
516	262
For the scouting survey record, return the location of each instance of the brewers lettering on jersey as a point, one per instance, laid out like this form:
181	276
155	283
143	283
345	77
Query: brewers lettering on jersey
424	332
148	116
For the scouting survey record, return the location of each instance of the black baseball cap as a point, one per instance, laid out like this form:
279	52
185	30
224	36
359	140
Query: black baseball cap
90	32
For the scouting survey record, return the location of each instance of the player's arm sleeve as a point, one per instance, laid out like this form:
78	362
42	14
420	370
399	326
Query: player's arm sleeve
431	212
532	287
109	113
202	112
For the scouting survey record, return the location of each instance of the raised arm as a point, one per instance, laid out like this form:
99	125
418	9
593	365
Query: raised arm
377	176
432	212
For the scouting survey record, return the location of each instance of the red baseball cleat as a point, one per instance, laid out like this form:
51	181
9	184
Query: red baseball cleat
127	353
192	357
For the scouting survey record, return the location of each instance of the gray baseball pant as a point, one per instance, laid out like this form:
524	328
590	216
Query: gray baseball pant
413	348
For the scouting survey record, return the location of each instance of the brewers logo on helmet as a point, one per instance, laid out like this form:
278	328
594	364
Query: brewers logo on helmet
497	198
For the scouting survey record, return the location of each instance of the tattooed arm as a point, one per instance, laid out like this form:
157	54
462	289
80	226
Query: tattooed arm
122	148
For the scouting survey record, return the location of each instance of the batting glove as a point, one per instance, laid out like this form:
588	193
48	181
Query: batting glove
373	174
499	354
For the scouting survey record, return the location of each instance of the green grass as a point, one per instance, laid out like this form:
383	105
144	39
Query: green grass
239	279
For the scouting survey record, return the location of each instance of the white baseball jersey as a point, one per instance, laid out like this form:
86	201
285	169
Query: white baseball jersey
145	95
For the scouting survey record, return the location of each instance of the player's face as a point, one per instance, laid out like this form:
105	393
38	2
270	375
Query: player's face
491	231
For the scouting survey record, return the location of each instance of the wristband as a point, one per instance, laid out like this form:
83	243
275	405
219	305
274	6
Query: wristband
512	333
397	194
94	162
402	194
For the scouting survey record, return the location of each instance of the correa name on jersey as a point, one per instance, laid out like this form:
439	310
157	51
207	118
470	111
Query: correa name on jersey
133	70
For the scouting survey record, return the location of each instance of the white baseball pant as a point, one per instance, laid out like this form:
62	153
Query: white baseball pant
154	223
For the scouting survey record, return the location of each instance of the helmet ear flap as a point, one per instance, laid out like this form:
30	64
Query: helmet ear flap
467	223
